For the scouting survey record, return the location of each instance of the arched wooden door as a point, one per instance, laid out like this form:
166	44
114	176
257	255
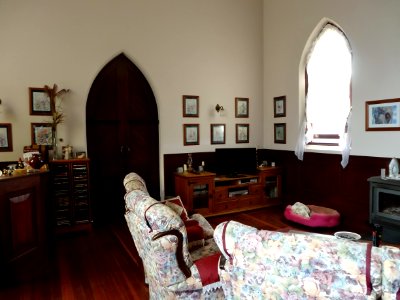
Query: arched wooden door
122	136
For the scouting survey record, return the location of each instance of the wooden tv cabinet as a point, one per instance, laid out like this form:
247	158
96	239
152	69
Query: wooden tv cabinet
210	195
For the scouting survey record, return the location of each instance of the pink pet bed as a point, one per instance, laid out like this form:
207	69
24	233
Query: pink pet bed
320	216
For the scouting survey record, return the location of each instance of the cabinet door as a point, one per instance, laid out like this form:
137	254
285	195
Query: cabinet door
201	193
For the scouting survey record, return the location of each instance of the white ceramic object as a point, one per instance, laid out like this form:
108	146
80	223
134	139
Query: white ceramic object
347	235
394	168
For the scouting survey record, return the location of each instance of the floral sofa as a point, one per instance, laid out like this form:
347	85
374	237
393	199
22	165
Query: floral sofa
263	264
178	252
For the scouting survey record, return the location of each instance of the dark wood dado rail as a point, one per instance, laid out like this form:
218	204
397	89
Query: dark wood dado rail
319	179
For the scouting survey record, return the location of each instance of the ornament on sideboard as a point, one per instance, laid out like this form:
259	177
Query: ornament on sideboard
189	162
394	168
36	161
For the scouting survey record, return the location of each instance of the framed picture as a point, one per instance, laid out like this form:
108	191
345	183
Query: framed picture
280	133
39	102
42	134
190	106
280	107
217	133
382	115
241	107
242	133
5	137
191	134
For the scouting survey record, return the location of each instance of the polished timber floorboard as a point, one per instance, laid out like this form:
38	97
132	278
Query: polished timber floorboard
104	263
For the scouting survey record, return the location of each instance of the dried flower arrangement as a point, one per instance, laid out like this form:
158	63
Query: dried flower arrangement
58	115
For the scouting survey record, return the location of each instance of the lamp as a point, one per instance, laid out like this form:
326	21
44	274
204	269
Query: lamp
219	108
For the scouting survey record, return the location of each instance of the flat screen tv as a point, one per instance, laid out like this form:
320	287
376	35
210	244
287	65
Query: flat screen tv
235	161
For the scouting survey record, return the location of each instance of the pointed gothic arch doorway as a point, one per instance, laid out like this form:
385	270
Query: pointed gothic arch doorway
122	136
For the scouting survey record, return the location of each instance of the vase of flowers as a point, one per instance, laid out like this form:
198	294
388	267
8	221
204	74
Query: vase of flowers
58	115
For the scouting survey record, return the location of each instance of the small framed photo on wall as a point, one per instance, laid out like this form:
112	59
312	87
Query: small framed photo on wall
191	134
280	107
241	107
382	115
42	134
280	133
6	144
242	133
217	133
39	102
190	106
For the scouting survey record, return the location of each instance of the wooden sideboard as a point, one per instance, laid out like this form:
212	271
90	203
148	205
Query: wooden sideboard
23	225
209	194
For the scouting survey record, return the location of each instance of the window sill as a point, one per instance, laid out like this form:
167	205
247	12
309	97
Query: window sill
323	149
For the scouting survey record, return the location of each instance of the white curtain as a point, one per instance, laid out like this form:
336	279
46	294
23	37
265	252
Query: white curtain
328	80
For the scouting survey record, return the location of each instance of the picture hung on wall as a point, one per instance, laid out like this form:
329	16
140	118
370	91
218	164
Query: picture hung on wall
242	133
382	115
280	107
191	134
39	102
41	133
280	133
241	107
190	106
217	133
5	137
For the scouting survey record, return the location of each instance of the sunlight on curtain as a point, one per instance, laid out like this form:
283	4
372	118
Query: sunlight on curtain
328	105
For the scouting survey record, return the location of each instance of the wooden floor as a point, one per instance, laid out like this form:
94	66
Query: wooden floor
104	264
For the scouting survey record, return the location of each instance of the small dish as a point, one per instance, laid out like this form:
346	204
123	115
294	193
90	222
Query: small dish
347	235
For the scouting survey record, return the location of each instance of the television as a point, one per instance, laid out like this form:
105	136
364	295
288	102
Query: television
233	162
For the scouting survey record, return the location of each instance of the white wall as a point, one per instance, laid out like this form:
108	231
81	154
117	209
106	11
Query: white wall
208	48
373	28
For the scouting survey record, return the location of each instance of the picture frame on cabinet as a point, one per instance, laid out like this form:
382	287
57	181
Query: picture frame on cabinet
39	102
191	134
190	106
41	133
241	107
280	106
280	133
6	144
242	133
217	133
382	115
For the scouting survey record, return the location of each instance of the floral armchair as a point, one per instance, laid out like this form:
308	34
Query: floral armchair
179	255
263	264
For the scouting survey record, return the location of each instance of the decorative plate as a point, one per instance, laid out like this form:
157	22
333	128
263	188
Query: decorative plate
347	235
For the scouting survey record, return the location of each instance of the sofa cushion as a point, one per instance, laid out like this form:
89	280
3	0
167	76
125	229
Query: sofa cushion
208	268
176	205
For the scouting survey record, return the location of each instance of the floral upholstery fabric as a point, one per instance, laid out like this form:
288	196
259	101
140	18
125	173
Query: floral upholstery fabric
263	264
146	219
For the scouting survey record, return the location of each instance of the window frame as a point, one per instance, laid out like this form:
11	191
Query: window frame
323	139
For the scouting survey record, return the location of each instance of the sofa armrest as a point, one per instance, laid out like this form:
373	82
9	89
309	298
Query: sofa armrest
179	251
390	272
